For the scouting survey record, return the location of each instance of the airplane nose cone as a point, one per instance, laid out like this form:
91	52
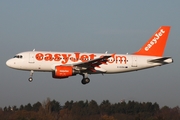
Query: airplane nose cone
9	63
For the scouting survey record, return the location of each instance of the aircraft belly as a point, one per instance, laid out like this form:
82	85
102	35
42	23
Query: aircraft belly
38	66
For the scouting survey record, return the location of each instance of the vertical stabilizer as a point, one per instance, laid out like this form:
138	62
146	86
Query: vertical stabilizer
156	44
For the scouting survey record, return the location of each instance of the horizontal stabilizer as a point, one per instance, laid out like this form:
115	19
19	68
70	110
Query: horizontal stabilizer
164	60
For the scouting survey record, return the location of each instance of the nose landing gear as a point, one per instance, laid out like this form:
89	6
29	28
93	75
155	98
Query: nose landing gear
30	79
31	76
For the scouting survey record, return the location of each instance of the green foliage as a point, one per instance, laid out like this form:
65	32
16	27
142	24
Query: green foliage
55	106
68	105
106	107
28	107
89	110
36	106
93	108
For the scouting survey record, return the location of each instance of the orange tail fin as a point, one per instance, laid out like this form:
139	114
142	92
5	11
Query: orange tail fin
156	44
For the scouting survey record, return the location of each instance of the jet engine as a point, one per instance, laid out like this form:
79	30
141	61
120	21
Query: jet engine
63	72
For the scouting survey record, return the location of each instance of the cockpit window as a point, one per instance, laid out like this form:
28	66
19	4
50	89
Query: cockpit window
18	56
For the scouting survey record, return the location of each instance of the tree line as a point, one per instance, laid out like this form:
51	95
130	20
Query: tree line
89	110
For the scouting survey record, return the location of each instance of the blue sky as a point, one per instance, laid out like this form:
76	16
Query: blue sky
115	26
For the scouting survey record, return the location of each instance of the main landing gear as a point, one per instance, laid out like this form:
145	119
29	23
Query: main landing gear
85	79
31	74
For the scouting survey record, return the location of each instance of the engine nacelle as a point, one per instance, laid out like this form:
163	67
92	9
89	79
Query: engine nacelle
63	72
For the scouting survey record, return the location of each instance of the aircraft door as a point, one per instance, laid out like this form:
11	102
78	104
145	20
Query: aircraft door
134	61
31	57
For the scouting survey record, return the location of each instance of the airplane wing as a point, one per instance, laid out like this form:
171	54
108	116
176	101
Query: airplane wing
91	64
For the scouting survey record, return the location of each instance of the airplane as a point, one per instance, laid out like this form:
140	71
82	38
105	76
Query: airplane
66	64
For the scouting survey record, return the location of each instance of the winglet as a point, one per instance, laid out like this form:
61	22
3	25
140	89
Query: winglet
156	44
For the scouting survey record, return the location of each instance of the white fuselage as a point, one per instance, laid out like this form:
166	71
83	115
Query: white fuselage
46	61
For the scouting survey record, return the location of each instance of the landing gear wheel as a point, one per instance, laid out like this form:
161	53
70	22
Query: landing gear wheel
85	81
30	79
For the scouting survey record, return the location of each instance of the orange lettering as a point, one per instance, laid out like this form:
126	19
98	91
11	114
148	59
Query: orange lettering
92	56
65	58
39	56
48	57
76	57
57	57
109	60
84	58
121	59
